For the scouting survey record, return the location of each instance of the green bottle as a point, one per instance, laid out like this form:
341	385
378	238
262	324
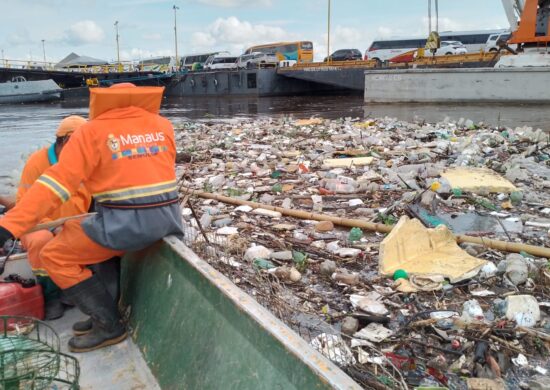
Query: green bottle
355	234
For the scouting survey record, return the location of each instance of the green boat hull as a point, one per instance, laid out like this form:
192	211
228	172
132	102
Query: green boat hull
197	330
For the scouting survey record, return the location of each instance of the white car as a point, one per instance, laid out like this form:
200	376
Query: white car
220	62
253	60
451	47
492	44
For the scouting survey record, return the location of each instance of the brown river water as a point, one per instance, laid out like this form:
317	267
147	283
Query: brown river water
25	128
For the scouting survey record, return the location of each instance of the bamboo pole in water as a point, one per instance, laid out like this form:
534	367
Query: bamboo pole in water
505	246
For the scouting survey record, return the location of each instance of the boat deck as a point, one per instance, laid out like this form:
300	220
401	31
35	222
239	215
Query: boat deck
120	366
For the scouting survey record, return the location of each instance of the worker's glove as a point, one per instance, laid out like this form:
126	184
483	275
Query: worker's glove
5	235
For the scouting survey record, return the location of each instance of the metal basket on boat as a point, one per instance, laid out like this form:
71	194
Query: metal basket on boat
30	356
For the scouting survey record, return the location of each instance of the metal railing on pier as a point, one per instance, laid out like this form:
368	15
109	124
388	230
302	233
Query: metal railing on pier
416	60
123	66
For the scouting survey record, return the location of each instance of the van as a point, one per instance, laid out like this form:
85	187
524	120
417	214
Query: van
220	62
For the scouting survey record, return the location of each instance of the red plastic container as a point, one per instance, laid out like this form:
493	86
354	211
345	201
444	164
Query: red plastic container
15	300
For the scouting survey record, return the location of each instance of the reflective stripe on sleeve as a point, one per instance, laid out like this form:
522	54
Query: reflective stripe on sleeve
55	187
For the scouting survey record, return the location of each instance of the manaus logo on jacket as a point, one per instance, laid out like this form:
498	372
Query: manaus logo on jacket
115	143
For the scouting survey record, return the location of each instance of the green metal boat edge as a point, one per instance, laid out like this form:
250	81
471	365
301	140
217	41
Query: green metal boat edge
197	330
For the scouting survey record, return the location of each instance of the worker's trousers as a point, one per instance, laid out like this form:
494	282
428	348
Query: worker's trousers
34	243
66	256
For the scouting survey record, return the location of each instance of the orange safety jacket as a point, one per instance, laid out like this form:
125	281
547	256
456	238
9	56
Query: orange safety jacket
35	166
125	156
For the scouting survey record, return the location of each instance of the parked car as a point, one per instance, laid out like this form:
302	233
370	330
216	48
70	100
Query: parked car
220	62
451	47
494	40
346	55
253	60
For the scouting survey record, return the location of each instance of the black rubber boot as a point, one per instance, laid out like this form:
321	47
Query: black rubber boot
54	309
92	298
65	301
109	273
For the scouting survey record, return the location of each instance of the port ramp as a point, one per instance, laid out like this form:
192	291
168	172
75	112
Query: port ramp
345	77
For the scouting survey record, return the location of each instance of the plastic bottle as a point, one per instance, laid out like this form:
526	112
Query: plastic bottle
457	191
276	174
205	220
355	234
516	270
400	274
485	203
263	264
516	197
336	186
471	311
278	188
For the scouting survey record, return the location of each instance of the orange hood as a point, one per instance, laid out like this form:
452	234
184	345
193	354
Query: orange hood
105	99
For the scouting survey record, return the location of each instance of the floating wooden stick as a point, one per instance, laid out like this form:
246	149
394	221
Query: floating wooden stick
539	251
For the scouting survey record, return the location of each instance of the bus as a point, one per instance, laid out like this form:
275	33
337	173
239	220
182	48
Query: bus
386	49
301	51
187	61
157	64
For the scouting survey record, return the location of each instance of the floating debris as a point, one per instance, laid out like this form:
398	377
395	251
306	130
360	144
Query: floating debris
459	315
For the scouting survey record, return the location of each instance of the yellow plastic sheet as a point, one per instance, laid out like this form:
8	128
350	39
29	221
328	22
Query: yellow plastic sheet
477	180
422	251
309	122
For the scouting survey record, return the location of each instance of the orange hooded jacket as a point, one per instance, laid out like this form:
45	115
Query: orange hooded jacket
125	156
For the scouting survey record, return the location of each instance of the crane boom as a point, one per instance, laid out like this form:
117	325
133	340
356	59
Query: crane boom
513	10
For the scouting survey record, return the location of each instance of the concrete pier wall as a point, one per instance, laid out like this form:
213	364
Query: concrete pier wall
514	85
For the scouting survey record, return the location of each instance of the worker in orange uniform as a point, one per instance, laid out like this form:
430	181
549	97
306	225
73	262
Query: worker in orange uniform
79	203
125	156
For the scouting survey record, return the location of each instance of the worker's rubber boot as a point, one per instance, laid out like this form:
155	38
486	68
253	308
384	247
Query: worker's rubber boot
53	309
109	273
92	298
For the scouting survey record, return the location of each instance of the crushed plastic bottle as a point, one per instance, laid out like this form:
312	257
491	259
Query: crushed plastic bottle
340	185
277	188
355	234
485	203
516	197
457	192
276	174
263	264
471	311
516	269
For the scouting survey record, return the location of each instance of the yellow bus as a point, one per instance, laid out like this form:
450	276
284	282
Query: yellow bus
301	51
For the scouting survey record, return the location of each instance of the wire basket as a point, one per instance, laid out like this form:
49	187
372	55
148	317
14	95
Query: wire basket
30	356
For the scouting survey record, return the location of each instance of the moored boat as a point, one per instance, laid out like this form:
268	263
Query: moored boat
19	90
198	330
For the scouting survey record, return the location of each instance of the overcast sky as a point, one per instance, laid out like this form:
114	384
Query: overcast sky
146	27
